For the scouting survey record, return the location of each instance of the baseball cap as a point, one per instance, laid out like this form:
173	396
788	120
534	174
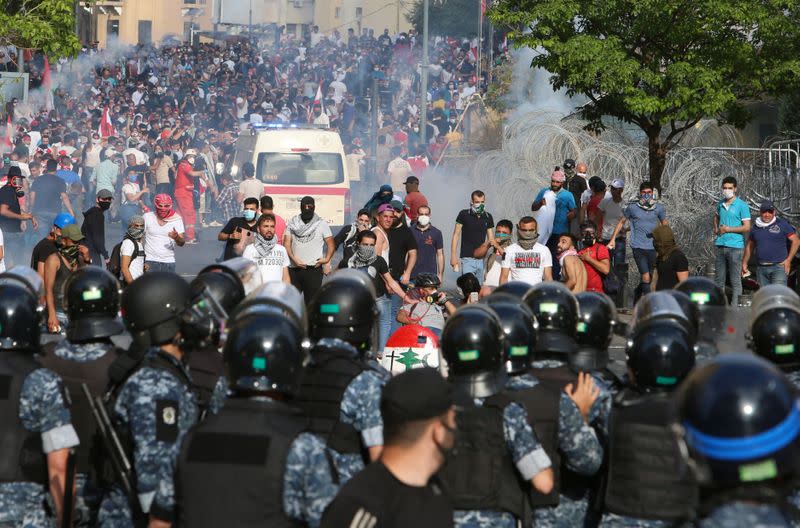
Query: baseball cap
62	220
104	194
385	207
397	205
416	394
411	179
767	205
618	183
14	170
190	152
72	232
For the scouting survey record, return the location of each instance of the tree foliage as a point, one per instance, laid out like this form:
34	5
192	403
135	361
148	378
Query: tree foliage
661	64
453	18
47	25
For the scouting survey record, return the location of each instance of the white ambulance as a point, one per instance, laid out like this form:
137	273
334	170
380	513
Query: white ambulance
295	161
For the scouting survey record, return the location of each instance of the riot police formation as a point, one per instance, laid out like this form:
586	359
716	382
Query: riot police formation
580	416
37	431
341	387
711	312
252	464
495	445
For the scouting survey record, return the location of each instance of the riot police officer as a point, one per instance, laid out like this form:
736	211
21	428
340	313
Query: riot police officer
493	429
516	288
91	301
642	487
597	321
738	423
155	407
711	310
556	416
227	284
36	429
251	464
342	384
775	328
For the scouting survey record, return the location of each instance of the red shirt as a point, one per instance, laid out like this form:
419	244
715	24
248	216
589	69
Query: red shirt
183	181
593	212
414	200
594	281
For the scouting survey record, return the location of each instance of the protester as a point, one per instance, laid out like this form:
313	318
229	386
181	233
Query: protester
644	214
57	269
131	252
250	187
132	196
527	260
573	271
731	224
94	228
402	253
473	227
267	207
595	257
565	210
47	246
309	242
12	218
184	193
429	305
48	194
672	266
414	199
270	256
163	230
492	260
399	170
768	243
239	232
347	237
611	208
430	245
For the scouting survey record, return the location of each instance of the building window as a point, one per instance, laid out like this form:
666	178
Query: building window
359	12
291	29
145	32
338	12
112	27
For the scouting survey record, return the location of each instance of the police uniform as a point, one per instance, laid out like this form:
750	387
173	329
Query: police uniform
154	410
340	393
84	363
36	422
577	443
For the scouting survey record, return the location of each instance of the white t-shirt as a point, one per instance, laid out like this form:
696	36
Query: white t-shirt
129	188
137	265
612	212
527	265
493	275
271	266
311	247
158	246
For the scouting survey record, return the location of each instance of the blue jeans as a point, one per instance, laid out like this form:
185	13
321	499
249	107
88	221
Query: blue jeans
619	266
771	274
729	261
474	266
160	266
384	320
395	303
645	262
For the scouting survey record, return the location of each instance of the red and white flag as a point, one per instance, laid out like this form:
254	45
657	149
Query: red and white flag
47	84
106	128
318	97
8	141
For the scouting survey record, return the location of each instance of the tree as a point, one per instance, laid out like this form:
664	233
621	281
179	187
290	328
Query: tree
454	18
662	65
47	25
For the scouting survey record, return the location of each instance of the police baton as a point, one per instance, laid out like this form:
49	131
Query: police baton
69	485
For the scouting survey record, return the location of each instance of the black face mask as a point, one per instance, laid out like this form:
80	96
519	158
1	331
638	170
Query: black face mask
445	451
588	241
307	214
104	205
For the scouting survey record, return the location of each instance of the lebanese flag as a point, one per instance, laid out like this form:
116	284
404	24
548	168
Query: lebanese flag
483	8
106	129
318	97
8	141
47	84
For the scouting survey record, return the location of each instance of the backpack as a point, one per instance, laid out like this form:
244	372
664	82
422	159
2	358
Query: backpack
611	283
114	265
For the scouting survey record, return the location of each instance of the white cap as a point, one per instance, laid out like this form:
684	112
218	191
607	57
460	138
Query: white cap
239	100
618	183
190	152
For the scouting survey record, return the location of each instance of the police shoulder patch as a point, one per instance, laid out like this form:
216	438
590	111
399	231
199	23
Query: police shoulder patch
167	412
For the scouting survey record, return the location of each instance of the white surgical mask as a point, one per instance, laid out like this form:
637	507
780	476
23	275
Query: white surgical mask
728	193
423	220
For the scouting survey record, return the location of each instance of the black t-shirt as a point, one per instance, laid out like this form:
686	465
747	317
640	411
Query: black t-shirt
42	250
229	228
668	269
401	241
374	497
375	271
48	189
473	230
8	196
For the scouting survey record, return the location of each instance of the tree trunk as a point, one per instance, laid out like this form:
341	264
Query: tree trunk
657	156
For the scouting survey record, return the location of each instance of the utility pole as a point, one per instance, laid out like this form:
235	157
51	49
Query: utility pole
250	25
423	86
397	20
373	144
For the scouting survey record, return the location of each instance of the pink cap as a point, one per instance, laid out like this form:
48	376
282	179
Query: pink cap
558	176
385	207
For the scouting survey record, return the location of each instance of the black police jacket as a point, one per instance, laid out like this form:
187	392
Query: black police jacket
22	458
643	480
231	466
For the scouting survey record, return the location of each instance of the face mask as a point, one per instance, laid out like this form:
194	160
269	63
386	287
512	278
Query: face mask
190	160
416	129
133	178
136	232
365	252
249	215
104	205
423	220
728	193
307	214
20	193
96	141
646	197
588	240
478	208
69	252
163	213
528	235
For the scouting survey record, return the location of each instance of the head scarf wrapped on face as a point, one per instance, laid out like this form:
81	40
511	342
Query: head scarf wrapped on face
163	203
134	231
664	241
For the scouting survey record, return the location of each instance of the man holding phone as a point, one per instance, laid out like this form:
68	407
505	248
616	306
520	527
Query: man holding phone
239	232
